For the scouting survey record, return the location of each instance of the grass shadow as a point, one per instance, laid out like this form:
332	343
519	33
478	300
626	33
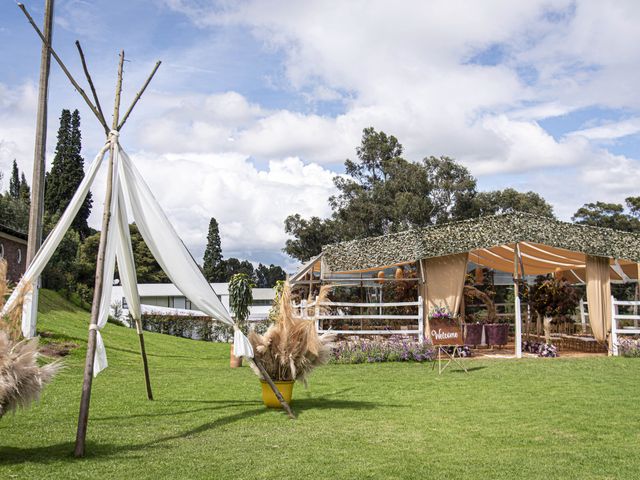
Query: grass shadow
323	403
469	369
104	451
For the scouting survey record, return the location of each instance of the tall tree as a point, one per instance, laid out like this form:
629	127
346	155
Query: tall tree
451	188
147	268
213	268
382	193
233	266
14	181
25	191
308	236
67	171
510	200
610	215
267	277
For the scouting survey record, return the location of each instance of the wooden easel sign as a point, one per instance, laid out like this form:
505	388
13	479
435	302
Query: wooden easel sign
444	333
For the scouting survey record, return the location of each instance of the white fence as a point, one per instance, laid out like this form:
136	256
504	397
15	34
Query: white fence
334	311
616	317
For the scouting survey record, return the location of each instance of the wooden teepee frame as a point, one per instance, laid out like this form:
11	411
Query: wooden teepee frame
116	127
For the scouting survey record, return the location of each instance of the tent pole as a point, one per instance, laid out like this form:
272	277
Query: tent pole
145	364
83	417
516	295
36	212
275	390
64	68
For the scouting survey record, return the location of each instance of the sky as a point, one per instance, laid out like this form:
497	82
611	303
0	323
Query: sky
258	103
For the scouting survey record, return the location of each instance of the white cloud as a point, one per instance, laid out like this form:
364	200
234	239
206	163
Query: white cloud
472	80
249	204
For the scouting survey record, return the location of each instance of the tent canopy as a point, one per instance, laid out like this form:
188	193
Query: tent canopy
546	245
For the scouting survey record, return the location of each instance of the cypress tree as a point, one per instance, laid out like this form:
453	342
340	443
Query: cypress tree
77	173
54	198
14	181
25	191
213	253
67	171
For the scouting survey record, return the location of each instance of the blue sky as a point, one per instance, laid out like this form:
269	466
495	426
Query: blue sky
258	103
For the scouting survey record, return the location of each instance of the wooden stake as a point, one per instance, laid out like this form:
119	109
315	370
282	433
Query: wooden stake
90	80
275	390
64	68
139	94
145	364
97	293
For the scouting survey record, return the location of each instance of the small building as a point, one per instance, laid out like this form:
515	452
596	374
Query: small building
13	248
165	298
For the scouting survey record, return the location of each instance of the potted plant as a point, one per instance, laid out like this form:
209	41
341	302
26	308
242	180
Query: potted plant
290	349
473	330
553	299
240	300
497	333
474	323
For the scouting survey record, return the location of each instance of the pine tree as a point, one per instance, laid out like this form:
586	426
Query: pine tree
25	191
67	171
14	181
213	254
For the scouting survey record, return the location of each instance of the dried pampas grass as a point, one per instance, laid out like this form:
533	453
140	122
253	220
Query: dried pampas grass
291	348
21	379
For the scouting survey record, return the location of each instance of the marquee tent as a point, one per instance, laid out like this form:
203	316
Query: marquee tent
519	243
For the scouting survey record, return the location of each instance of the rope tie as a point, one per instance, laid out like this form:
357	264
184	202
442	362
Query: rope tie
94	327
113	136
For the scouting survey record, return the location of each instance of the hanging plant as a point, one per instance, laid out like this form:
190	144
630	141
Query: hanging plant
241	298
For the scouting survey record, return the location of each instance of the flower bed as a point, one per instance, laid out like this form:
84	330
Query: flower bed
629	347
393	349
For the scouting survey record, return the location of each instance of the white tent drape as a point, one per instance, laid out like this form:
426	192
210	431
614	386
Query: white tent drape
49	246
160	237
170	252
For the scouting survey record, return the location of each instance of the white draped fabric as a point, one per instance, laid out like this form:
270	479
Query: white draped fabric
160	237
49	246
170	252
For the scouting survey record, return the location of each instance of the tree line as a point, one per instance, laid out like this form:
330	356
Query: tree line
217	269
383	193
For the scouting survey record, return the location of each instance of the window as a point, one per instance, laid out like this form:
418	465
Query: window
124	302
19	255
262	302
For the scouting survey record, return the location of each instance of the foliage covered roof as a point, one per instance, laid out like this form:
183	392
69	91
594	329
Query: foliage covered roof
483	232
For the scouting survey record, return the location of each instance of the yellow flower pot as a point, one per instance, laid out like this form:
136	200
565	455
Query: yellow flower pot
269	398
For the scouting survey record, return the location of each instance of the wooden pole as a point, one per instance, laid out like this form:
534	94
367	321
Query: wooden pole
275	390
145	364
90	80
64	68
516	296
36	211
97	293
138	95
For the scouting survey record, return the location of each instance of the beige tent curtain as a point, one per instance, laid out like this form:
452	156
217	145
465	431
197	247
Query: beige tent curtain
444	282
599	296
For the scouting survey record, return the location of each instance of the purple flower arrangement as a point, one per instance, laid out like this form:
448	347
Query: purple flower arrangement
629	347
542	349
440	313
394	349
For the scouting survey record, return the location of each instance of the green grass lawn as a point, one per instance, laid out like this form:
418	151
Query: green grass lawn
535	418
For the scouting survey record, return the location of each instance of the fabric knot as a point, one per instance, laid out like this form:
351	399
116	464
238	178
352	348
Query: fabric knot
94	327
113	137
